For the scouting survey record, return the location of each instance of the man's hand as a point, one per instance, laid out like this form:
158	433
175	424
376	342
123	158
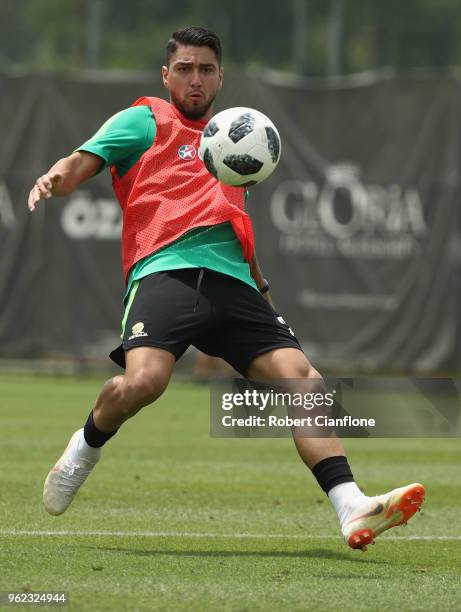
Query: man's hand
64	177
45	187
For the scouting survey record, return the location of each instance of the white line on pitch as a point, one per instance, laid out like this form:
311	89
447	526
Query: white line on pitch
169	534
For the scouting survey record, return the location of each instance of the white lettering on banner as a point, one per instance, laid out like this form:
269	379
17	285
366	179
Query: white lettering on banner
7	216
82	218
345	216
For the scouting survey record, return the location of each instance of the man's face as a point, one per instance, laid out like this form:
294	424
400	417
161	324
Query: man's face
193	79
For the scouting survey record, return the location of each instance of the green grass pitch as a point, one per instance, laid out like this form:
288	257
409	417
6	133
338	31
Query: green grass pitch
172	519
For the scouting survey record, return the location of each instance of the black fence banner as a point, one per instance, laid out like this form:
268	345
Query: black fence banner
357	229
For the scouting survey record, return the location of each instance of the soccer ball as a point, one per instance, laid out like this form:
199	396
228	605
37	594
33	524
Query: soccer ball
240	146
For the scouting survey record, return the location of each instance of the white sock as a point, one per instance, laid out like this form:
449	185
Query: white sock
345	497
85	451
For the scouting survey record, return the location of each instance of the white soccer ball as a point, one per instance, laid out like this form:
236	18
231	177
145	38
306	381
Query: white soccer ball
240	146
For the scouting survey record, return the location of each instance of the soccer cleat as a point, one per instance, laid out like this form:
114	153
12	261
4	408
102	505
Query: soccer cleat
381	513
67	476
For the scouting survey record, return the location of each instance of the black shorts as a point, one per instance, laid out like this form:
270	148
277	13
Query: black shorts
218	314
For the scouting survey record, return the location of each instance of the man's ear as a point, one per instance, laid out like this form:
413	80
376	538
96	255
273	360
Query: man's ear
221	77
165	75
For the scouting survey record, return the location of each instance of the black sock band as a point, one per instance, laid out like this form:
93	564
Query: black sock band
93	436
332	471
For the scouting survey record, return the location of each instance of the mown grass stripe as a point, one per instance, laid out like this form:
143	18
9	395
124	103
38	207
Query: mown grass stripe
168	534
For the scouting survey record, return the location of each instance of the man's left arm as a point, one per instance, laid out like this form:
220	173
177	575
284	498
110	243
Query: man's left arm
259	279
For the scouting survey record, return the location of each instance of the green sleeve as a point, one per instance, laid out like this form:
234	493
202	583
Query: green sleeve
123	138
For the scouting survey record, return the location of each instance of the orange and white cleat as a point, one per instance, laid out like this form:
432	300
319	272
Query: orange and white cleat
381	513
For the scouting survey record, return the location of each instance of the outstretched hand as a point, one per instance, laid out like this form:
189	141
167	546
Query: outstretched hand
44	188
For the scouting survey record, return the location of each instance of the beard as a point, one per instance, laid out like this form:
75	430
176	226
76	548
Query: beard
192	111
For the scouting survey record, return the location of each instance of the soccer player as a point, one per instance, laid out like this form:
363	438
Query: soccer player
192	278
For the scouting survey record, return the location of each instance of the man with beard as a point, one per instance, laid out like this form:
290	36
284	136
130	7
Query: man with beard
192	278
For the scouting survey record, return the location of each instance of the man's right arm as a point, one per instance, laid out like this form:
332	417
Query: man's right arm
121	141
64	177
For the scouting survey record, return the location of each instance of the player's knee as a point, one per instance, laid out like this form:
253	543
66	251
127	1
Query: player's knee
144	387
299	368
303	369
315	382
312	373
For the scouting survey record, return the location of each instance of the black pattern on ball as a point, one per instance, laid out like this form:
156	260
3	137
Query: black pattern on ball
210	129
241	126
273	142
243	164
209	163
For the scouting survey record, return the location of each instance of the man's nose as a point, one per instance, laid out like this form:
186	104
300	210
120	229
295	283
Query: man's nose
196	78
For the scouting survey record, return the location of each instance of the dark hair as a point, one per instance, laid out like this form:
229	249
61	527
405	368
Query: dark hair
196	37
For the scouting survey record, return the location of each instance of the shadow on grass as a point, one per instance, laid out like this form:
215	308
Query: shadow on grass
317	553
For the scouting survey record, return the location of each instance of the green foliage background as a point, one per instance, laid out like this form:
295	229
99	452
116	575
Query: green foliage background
52	34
